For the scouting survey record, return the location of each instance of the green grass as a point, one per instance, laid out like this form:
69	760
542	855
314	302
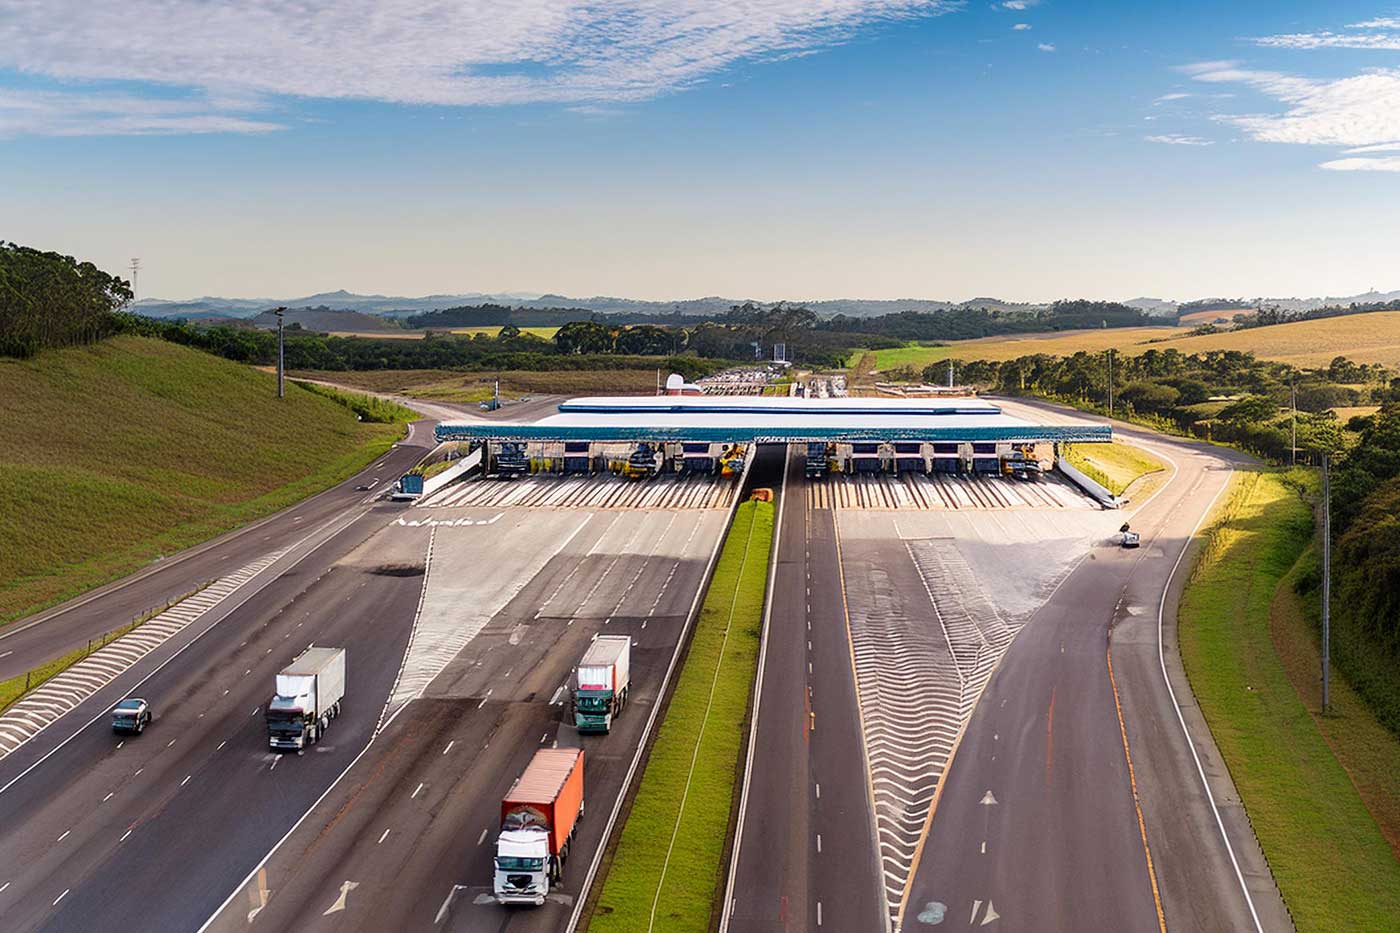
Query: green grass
366	407
450	386
119	453
1331	861
1115	466
687	790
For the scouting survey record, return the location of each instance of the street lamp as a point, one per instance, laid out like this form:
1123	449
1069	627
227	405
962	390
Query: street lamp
281	390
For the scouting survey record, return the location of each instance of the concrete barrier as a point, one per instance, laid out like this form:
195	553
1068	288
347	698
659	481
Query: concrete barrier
459	469
1076	476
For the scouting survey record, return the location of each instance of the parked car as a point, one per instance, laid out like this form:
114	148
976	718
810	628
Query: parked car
131	715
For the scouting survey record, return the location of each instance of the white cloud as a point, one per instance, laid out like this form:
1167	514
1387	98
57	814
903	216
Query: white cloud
1385	22
1177	139
66	113
1387	164
1021	27
469	52
1046	46
1176	95
1019	4
1363	110
1383	147
1388	41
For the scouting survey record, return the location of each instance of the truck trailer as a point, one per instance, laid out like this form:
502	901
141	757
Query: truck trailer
601	682
309	691
539	816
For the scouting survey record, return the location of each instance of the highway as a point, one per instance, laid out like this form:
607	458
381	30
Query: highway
903	644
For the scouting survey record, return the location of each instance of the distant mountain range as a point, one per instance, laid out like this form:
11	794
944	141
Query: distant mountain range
395	306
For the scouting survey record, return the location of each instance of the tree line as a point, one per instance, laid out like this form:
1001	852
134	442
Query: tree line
51	300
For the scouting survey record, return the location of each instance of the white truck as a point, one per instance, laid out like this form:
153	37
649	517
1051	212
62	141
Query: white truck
601	682
309	691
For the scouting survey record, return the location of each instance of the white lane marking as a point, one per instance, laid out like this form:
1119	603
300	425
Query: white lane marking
121	743
65	835
273	766
4	886
1181	719
138	772
124	835
109	796
186	780
543	738
446	904
481	838
6	655
221	745
449	746
976	905
984	847
170	743
339	905
383	837
61	896
557	694
819	843
819	792
416	791
819	913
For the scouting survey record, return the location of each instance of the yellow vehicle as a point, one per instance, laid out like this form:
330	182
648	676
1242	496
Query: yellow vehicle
731	461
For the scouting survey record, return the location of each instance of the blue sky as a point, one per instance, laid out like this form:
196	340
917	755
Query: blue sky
675	148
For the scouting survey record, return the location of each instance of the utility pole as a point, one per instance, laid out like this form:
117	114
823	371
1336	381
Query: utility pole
1326	578
281	358
1293	406
1110	379
135	268
950	374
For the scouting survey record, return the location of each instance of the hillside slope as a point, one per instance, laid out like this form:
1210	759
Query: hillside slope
114	454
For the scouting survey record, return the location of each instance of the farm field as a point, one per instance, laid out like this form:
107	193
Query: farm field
544	333
447	386
1362	338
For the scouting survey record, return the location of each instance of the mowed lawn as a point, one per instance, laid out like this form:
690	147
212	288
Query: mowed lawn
666	870
544	333
1331	861
1115	466
1363	338
119	453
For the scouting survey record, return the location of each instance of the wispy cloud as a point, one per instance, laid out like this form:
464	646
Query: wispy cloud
1177	139
1167	98
471	52
66	113
1363	110
1385	22
1384	34
1046	46
1021	27
1387	164
1018	4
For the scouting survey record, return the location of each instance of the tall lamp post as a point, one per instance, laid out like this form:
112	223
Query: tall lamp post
1326	577
281	388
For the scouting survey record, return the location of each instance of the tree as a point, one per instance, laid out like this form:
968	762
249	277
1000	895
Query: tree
1151	397
583	337
51	300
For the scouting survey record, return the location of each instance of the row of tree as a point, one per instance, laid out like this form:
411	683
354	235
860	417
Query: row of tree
51	300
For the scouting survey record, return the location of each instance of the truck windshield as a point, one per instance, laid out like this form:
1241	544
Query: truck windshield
593	702
284	719
506	863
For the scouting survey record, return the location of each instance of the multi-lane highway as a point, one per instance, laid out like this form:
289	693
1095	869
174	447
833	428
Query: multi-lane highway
939	741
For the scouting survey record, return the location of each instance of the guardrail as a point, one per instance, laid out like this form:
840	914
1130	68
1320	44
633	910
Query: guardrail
1095	489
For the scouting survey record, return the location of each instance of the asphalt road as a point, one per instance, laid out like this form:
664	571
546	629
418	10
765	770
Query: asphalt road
145	833
28	643
809	778
408	834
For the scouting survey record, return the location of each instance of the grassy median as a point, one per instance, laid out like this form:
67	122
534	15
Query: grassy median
118	453
667	865
1114	466
1332	864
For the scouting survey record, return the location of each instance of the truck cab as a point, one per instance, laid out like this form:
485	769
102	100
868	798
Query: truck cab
524	869
511	459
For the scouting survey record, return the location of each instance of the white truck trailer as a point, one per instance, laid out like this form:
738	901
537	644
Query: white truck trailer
309	691
601	681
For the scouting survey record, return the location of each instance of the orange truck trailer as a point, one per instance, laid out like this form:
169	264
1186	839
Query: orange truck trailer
539	816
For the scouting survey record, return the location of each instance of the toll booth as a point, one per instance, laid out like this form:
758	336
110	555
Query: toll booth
865	458
985	458
946	458
909	458
696	458
818	458
577	457
511	459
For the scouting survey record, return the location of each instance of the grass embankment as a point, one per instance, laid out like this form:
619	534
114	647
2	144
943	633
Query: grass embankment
1373	337
134	448
1330	859
667	867
1115	466
447	386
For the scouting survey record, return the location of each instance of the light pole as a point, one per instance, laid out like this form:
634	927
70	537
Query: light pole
281	389
1293	407
1326	577
1110	381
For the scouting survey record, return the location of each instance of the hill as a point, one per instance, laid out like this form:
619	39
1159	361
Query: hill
1373	337
330	321
122	451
